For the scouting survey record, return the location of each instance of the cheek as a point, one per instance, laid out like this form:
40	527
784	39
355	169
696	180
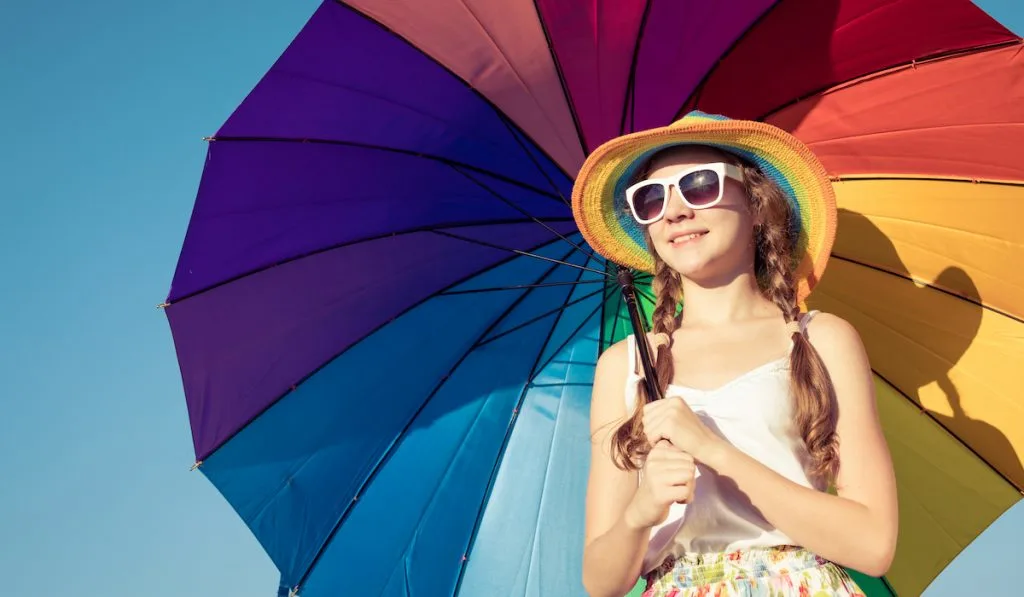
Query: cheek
656	230
733	225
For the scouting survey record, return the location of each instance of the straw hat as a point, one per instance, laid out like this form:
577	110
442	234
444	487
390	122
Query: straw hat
599	202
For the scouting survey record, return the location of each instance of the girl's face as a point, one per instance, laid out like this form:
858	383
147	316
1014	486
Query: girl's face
707	244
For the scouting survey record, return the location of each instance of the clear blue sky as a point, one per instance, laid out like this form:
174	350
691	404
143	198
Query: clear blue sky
105	105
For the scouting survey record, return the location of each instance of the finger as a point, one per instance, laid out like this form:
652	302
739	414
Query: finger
650	417
670	472
658	406
674	454
657	433
669	403
650	424
665	448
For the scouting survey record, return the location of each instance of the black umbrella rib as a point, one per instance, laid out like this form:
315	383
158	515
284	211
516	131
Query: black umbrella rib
387	149
520	287
629	102
466	84
565	342
973	301
645	295
945	179
561	79
921	409
390	450
504	444
348	243
618	318
540	317
512	204
887	70
694	98
520	252
540	169
337	355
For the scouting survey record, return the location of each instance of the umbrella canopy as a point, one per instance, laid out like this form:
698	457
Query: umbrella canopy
387	324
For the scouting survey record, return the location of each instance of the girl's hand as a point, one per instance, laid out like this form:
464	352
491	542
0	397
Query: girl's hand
667	478
673	420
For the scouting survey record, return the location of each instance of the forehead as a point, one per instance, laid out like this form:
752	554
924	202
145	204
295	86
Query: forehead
683	156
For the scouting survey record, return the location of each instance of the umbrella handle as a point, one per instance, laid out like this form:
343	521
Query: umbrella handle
625	279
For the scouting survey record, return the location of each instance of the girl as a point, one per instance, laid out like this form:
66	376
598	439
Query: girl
764	470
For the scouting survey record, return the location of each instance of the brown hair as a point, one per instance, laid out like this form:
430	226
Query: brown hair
814	395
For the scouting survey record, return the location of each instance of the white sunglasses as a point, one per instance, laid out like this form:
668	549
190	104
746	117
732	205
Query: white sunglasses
700	187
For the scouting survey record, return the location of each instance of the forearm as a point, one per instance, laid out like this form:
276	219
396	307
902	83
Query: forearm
836	528
612	561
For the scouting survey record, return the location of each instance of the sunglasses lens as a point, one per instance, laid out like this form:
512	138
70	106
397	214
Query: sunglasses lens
648	201
701	187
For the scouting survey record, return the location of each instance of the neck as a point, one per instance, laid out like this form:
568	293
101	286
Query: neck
715	302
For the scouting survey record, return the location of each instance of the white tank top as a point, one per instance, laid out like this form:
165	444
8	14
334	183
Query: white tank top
754	412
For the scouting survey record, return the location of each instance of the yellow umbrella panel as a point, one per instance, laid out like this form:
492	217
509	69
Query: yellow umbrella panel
927	264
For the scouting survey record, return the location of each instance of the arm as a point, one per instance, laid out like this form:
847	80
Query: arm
613	548
858	527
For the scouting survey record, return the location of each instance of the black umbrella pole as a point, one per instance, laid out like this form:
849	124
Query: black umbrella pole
625	279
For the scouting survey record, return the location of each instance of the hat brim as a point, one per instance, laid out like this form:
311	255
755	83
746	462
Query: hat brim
604	219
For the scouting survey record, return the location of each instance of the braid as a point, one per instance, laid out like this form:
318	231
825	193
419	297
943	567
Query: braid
629	442
814	395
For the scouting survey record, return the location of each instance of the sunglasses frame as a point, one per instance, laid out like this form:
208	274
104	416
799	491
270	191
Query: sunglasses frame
722	169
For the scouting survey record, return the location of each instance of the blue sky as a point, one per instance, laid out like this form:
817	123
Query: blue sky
105	106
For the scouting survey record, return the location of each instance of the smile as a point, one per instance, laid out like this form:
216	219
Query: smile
686	238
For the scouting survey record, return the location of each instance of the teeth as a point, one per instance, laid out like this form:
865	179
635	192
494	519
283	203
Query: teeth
687	237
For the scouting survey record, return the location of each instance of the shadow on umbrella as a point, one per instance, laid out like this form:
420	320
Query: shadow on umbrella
960	327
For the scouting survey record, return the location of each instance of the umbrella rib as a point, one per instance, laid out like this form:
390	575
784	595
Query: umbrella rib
456	77
944	179
348	243
385	148
520	252
923	410
649	297
314	371
390	449
538	317
520	286
694	98
976	302
629	102
543	173
555	352
511	204
561	78
504	445
618	317
888	70
604	315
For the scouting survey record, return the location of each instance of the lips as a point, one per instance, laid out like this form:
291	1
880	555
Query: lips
682	238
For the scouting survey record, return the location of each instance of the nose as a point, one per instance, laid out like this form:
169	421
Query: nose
677	209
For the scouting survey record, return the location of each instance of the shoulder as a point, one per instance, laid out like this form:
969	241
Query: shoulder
613	363
610	379
832	335
842	352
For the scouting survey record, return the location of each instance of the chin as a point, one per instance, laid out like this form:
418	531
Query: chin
693	267
689	262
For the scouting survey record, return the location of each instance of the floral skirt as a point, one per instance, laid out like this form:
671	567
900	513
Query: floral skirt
769	571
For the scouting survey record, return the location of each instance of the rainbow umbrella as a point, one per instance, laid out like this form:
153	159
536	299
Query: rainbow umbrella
387	323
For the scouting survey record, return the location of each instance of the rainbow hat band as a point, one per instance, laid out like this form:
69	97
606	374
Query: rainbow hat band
599	199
